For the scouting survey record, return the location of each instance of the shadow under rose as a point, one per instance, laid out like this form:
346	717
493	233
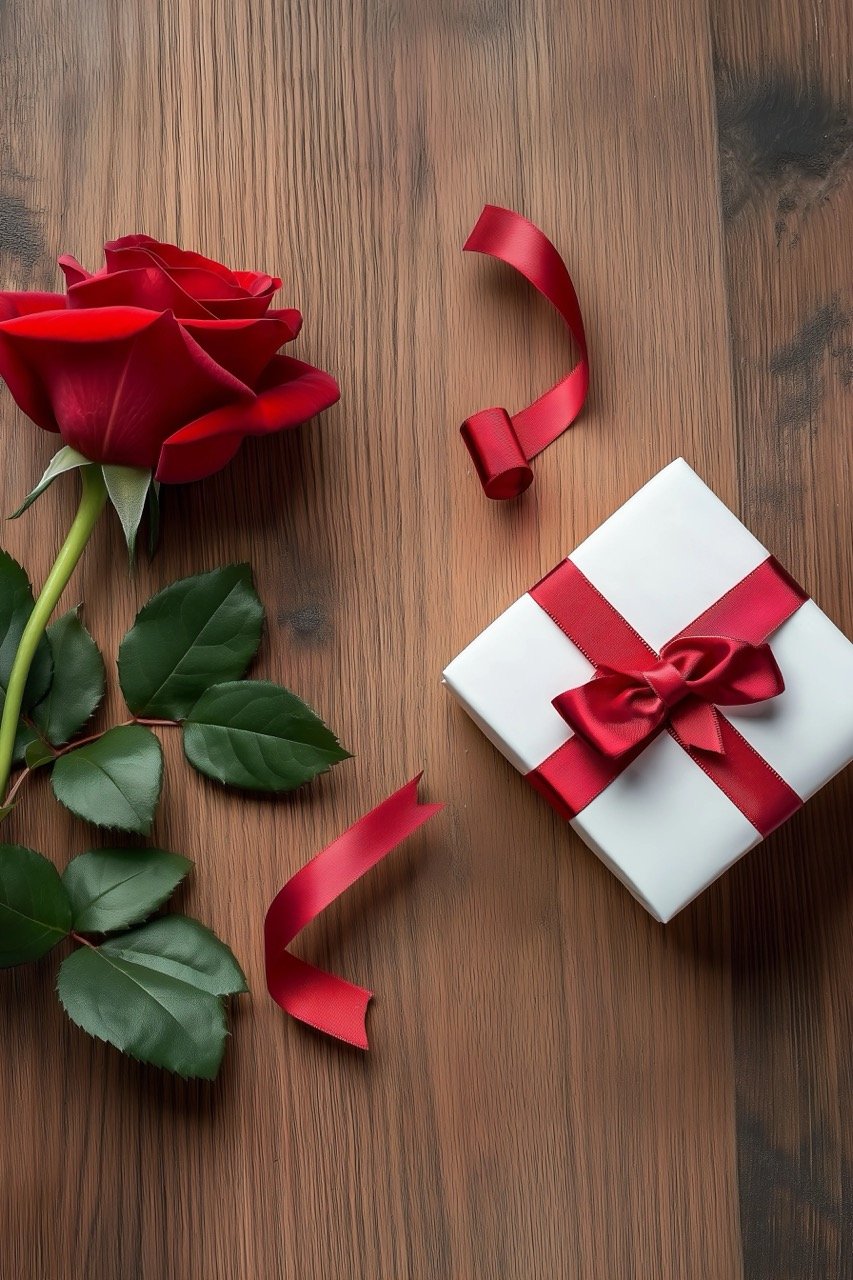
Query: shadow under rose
256	489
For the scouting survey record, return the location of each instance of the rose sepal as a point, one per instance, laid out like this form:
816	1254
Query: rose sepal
67	459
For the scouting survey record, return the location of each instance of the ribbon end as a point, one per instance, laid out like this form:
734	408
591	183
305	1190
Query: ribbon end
320	1000
698	726
357	1022
487	213
349	1024
327	1003
424	810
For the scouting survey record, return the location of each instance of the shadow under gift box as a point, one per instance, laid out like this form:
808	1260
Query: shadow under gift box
663	826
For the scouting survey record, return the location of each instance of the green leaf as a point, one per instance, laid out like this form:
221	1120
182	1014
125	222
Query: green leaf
25	737
114	781
195	633
67	459
78	681
183	949
38	753
128	490
155	994
113	888
35	912
257	735
16	605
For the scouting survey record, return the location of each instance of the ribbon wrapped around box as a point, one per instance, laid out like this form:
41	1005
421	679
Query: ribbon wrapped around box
668	688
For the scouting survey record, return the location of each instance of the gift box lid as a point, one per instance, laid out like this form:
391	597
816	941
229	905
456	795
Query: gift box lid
661	560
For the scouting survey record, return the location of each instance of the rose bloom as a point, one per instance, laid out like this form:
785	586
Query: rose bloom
163	360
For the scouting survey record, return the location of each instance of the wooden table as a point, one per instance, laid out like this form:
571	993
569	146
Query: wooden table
557	1086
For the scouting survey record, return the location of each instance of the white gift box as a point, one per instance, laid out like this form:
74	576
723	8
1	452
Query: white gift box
662	826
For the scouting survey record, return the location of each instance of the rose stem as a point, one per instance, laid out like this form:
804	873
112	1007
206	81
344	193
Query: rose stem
92	504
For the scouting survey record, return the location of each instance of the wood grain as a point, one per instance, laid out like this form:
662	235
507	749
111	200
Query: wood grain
786	138
557	1085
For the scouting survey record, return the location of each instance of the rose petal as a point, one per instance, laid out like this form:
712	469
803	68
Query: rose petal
149	287
116	381
135	240
289	392
244	347
25	388
171	256
289	315
72	270
220	298
245	307
226	294
78	327
257	281
24	304
197	281
223	304
197	459
24	384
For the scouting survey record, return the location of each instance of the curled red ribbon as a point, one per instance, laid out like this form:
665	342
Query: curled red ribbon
619	710
502	446
319	999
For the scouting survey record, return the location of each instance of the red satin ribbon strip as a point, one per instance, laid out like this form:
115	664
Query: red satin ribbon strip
325	1002
502	446
576	773
754	608
753	786
589	620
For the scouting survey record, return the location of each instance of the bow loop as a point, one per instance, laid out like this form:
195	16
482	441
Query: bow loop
729	672
618	711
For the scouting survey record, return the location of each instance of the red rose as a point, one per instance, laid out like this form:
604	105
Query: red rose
163	360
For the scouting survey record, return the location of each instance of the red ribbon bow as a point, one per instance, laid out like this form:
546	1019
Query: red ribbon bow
640	691
502	446
617	710
323	1001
